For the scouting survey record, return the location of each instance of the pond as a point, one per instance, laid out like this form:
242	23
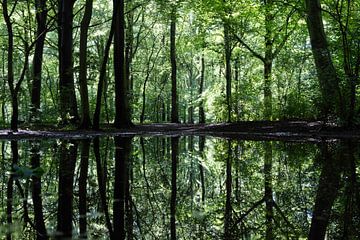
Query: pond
186	187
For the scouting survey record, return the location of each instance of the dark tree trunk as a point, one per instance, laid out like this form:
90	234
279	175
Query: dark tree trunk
122	106
10	187
85	111
332	102
201	168
41	16
328	187
10	67
102	186
227	46
174	96
269	202
228	234
101	83
122	155
68	105
268	60
41	233
67	163
83	209
201	90
174	161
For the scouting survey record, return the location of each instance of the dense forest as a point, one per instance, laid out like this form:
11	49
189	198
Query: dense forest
83	63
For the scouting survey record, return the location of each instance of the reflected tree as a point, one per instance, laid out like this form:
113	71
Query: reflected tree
67	160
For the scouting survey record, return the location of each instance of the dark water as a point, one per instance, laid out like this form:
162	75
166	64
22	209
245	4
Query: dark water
179	188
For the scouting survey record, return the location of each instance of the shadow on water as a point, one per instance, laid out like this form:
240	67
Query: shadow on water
179	188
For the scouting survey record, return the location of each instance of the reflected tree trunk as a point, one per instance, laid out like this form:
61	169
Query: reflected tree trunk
228	233
328	188
10	187
102	186
37	195
67	161
174	161
84	165
122	157
269	202
201	167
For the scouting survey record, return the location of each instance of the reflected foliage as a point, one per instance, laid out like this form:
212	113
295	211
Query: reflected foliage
179	188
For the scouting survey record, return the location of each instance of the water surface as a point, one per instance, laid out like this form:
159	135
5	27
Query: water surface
179	188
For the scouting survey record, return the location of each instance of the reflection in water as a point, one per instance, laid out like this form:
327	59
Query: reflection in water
179	188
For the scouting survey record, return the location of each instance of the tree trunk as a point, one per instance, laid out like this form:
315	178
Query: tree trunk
68	105
66	189
201	90
269	202
10	187
83	209
268	59
228	234
102	186
41	233
85	111
332	102
174	160
174	97
41	16
227	46
328	187
122	107
122	155
101	83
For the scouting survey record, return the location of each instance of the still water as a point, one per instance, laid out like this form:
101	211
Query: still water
179	188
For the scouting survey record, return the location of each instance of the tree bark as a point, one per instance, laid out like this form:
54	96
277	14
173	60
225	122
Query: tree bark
41	233
227	46
68	105
41	18
174	161
101	83
201	90
332	102
174	96
122	156
122	106
85	111
67	163
83	209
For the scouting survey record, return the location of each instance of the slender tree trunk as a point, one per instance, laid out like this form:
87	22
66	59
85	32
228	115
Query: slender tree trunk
227	46
228	209
101	83
102	187
268	60
41	233
174	161
269	202
122	106
83	209
122	155
66	187
201	168
328	187
85	111
332	102
68	105
201	90
10	187
41	18
174	96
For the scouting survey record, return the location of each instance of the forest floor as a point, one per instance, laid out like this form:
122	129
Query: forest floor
255	130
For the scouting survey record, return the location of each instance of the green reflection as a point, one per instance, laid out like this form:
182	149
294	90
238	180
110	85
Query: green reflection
179	188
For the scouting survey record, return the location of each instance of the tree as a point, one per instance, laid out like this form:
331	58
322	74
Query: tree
68	105
332	100
174	95
122	105
41	18
84	28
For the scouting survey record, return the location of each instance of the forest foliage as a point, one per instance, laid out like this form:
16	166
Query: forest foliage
91	62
